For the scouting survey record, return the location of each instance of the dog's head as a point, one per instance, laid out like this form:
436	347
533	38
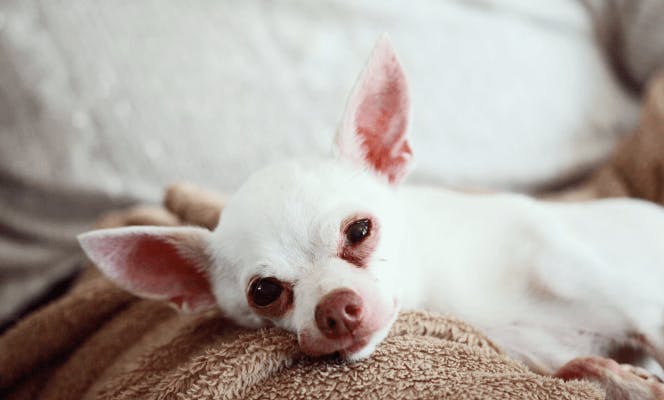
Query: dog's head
309	245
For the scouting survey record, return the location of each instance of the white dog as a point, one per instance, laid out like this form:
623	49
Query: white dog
331	249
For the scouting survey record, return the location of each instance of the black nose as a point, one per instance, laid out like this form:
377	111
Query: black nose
339	313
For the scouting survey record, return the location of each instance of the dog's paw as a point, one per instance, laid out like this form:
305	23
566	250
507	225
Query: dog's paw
621	381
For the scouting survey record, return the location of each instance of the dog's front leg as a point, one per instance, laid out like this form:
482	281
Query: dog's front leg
621	381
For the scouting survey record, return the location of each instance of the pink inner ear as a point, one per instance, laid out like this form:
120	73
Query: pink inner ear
381	120
378	111
151	266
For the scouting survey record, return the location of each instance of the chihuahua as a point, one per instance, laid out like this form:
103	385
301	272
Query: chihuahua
332	248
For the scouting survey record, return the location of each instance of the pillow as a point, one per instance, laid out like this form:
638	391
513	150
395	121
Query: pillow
124	98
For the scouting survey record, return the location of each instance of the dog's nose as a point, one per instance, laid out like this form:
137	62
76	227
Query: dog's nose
339	313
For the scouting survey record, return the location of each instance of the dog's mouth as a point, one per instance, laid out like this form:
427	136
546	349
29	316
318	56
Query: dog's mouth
316	346
353	347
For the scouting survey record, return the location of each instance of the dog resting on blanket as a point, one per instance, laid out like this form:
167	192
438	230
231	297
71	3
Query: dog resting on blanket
331	249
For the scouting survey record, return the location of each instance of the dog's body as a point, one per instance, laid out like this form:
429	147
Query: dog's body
331	249
548	282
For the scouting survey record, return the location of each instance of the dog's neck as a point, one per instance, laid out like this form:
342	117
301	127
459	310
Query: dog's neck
442	229
430	241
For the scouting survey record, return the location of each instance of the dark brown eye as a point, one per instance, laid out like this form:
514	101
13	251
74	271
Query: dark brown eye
358	231
265	291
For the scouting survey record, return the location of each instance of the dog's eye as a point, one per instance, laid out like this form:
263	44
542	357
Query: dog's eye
265	291
358	237
270	297
358	231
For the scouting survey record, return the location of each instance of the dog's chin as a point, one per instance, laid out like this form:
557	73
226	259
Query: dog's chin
363	348
351	349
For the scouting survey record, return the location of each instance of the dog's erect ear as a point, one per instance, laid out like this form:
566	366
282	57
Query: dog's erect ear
156	262
374	125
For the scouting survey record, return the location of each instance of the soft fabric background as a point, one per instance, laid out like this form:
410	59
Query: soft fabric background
102	103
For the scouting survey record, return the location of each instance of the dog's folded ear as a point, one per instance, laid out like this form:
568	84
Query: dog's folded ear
373	128
168	263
